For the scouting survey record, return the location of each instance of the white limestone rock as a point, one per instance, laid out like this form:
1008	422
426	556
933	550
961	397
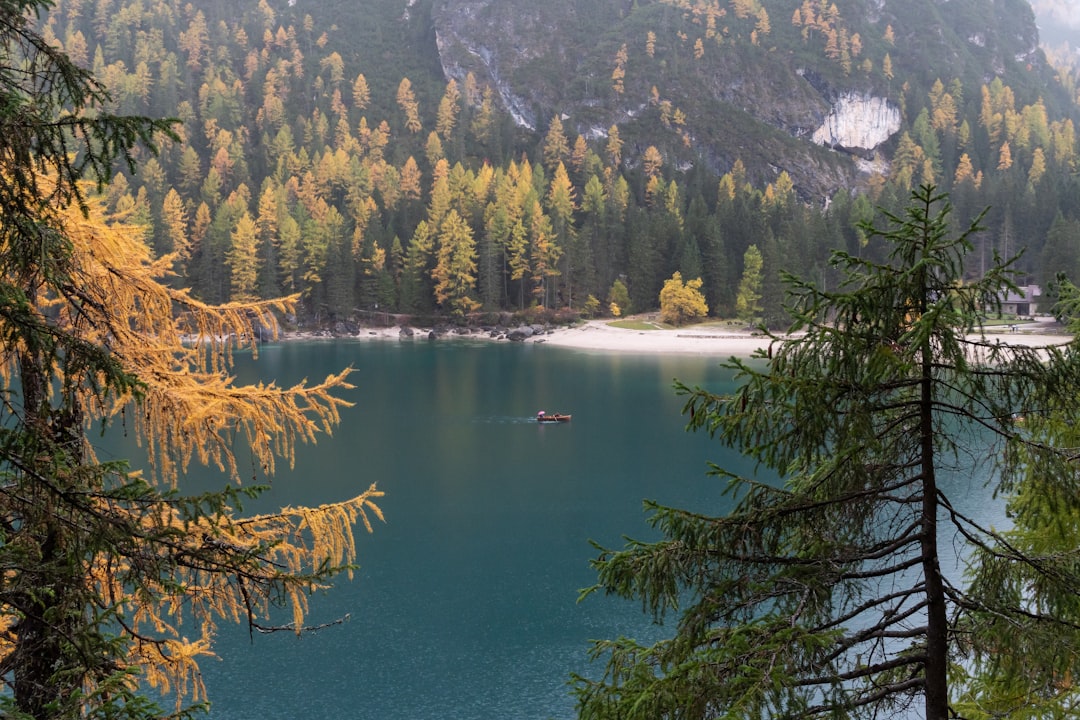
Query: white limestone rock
861	122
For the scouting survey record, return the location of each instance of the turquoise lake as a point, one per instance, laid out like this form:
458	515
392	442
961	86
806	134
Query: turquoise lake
465	605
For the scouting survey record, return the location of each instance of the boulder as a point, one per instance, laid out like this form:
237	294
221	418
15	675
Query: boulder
521	334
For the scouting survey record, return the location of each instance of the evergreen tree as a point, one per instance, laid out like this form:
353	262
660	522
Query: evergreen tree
269	240
747	301
823	594
417	294
1061	253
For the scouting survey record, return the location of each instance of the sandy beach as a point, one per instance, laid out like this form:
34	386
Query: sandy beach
599	336
709	339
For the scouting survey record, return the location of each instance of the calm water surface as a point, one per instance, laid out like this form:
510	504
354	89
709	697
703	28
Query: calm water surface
465	606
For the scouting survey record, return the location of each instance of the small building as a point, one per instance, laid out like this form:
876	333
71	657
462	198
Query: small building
1024	303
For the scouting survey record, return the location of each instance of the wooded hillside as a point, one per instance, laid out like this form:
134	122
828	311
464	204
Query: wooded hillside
323	153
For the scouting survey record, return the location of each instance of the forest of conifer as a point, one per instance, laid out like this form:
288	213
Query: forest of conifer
303	169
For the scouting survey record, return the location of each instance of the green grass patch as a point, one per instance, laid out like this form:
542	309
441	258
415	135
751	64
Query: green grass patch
634	325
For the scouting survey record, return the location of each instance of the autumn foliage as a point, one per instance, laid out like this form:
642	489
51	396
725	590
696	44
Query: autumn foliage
183	565
681	302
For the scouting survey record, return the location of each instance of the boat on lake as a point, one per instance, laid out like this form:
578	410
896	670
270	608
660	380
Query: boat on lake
546	417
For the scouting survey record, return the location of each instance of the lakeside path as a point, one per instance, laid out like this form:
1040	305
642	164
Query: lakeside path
709	339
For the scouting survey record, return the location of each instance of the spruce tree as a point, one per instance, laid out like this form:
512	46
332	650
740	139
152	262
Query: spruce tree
822	594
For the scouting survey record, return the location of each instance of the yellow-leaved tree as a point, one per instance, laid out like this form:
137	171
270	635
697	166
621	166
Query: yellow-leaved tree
681	301
112	581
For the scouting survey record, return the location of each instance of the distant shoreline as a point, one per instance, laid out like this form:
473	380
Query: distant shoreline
599	336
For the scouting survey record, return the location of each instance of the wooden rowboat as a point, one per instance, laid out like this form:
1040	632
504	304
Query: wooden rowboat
546	417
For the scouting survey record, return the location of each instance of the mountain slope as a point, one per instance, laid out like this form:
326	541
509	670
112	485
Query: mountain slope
754	80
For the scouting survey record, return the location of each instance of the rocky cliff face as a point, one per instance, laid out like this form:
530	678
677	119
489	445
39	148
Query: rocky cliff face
707	84
858	123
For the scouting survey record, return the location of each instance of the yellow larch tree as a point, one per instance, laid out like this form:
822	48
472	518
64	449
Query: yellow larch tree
614	147
127	345
965	171
455	269
556	148
406	100
618	74
433	149
652	161
243	261
943	110
1038	167
174	218
544	253
743	8
579	153
449	106
1005	160
1063	142
411	179
763	26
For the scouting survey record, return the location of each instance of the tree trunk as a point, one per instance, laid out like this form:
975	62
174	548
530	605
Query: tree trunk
937	630
50	596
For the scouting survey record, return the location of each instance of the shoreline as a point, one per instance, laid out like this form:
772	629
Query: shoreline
599	337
